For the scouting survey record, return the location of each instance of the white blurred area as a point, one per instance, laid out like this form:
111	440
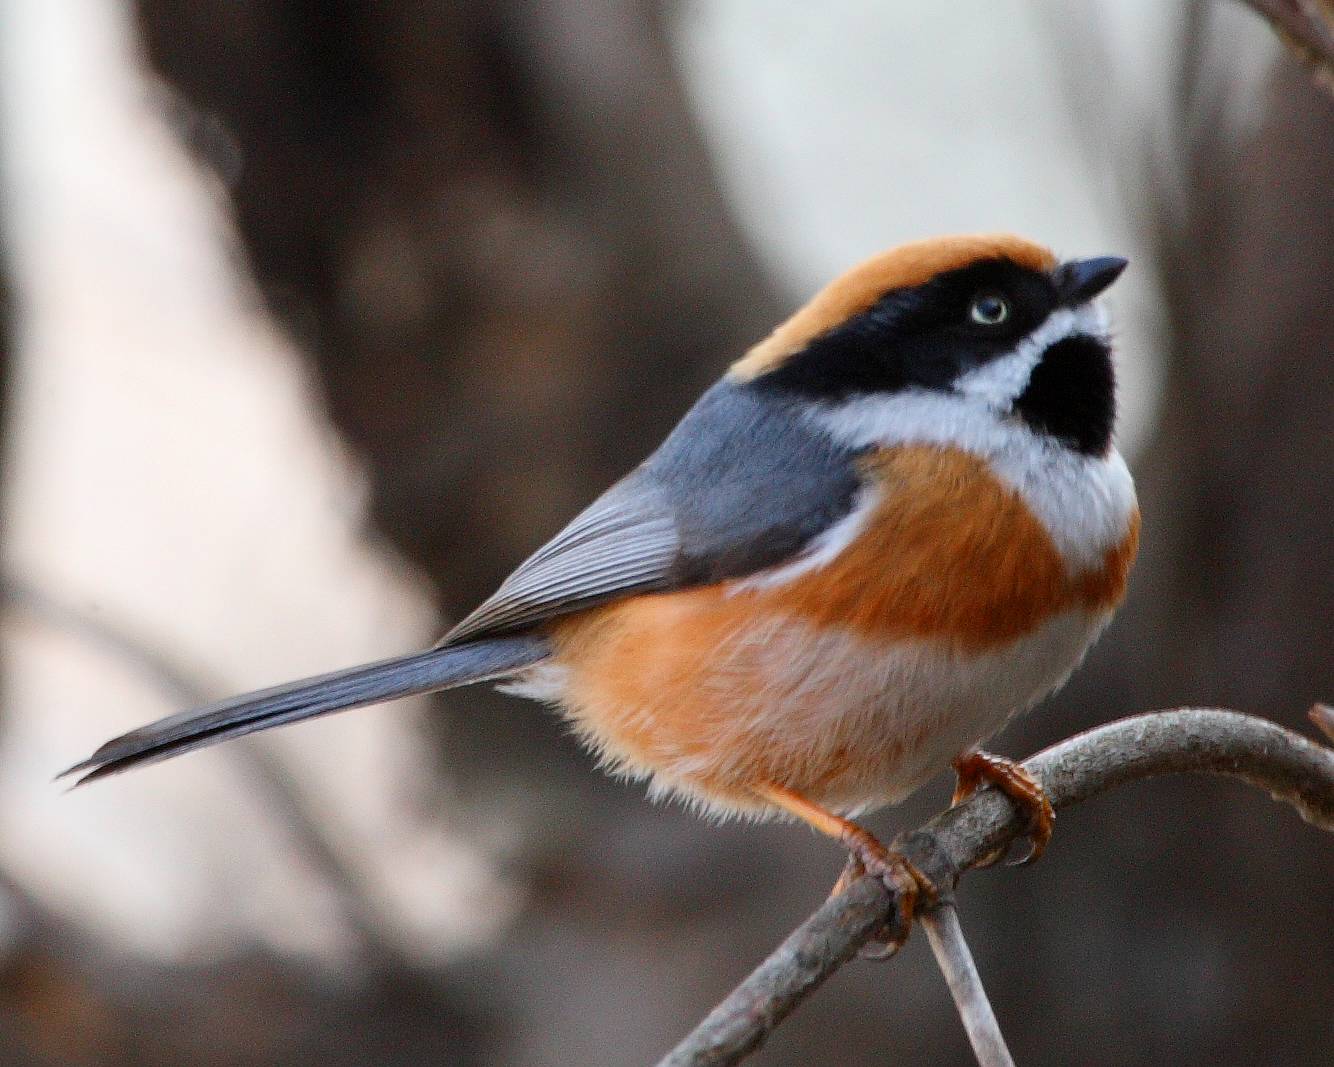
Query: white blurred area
1032	116
170	479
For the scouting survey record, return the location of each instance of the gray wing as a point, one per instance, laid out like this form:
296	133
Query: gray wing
741	484
624	542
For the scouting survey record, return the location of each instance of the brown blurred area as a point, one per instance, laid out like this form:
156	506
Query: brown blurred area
499	237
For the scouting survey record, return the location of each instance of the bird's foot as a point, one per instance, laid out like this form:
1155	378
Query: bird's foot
976	768
867	856
900	876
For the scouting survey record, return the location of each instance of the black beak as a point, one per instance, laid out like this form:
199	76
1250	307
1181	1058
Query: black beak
1083	279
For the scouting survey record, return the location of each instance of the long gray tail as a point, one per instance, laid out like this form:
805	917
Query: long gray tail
371	683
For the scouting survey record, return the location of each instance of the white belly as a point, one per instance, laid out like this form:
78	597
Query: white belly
888	716
911	707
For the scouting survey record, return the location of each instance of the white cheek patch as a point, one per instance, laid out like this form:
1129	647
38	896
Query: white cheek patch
1000	381
912	417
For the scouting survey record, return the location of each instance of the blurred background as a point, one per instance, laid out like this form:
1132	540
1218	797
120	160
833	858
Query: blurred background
319	317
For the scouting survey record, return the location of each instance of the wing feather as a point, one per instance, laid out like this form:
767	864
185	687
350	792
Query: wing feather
742	483
625	541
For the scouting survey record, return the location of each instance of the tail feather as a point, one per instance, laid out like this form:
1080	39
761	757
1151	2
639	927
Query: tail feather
370	683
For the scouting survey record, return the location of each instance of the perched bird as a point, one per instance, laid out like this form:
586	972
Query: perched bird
892	525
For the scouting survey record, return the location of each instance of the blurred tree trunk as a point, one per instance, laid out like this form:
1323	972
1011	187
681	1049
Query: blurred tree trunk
496	228
1243	469
496	231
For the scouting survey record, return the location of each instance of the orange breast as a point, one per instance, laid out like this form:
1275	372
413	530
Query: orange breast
699	688
950	552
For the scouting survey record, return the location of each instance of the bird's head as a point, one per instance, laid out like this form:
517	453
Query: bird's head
990	328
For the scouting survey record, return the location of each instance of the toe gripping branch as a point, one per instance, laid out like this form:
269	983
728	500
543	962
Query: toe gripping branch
975	769
867	855
909	885
901	877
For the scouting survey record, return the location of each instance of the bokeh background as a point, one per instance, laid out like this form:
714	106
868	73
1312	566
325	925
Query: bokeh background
319	317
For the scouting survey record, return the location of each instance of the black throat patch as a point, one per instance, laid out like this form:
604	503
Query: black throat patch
1072	395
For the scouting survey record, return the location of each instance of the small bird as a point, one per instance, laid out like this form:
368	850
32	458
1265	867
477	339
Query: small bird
892	525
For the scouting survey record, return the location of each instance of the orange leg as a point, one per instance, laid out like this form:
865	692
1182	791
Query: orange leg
1022	788
867	855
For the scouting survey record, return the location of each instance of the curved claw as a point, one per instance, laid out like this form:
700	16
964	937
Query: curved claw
908	884
1015	782
885	941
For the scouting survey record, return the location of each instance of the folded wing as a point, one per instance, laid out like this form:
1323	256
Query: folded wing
742	484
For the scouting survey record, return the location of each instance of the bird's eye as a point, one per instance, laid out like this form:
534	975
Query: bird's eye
989	310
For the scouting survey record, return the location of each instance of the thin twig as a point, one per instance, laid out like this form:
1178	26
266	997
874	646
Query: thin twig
1323	716
941	924
1307	28
1289	767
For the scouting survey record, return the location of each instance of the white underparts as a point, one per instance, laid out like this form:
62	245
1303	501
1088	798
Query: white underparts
890	714
545	682
1085	502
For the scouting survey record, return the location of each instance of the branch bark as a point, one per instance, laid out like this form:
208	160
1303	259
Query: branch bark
941	925
1289	767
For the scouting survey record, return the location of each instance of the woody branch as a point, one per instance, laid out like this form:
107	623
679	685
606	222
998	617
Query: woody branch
1289	767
